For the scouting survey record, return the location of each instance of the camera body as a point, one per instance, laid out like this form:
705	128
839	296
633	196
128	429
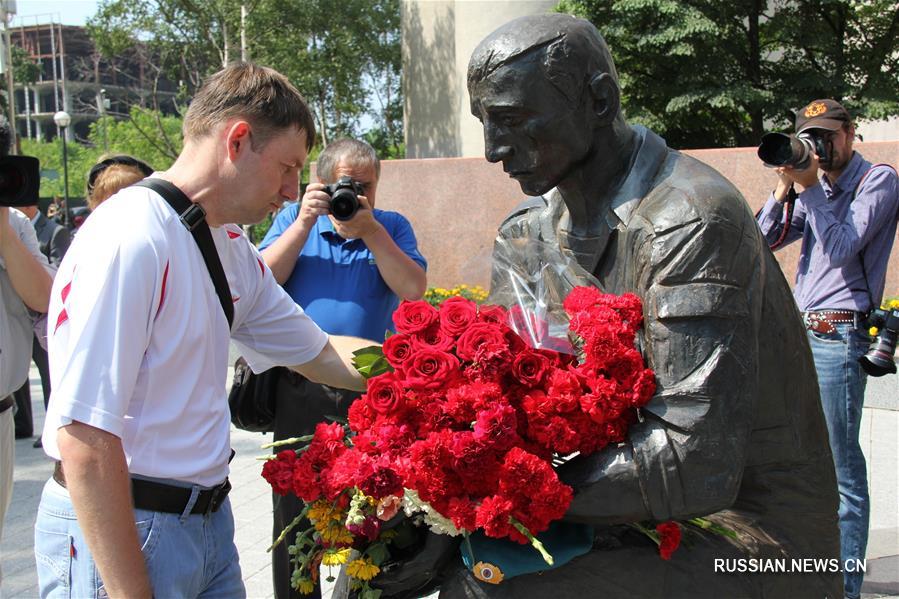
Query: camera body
780	149
20	179
344	197
879	359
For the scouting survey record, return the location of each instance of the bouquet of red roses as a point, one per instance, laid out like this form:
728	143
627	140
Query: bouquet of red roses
460	424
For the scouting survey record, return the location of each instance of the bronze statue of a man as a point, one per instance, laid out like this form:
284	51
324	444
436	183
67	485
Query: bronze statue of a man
735	431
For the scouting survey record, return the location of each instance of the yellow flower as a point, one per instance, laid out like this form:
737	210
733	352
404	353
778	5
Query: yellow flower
324	511
305	586
335	557
873	331
362	569
336	535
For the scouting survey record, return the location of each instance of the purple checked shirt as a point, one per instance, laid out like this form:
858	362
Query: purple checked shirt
846	242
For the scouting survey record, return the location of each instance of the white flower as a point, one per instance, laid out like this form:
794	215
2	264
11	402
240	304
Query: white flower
413	505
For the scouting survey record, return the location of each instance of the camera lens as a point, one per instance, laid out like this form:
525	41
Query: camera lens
19	180
344	204
779	149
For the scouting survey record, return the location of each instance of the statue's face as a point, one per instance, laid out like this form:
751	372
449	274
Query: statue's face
530	126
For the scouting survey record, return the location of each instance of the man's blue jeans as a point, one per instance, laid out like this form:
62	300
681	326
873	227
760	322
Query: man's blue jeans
842	382
186	555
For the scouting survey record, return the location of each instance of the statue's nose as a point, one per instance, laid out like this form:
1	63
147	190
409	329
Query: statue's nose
497	152
496	146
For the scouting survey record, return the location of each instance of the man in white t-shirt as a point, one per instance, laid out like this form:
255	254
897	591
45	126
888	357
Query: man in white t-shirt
139	351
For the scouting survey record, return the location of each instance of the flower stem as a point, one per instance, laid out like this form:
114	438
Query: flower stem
534	540
467	541
295	522
291	441
653	535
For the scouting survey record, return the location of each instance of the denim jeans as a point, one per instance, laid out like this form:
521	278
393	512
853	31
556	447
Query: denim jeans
842	382
188	555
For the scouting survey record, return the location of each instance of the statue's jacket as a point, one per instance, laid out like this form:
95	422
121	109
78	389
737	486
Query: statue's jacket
734	432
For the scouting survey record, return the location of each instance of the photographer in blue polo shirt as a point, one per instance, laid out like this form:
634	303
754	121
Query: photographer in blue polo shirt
349	276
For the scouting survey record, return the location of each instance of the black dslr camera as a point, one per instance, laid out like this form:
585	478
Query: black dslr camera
20	178
344	198
780	149
879	359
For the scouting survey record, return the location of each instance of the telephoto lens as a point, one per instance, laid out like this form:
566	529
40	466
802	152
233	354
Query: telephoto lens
780	149
879	359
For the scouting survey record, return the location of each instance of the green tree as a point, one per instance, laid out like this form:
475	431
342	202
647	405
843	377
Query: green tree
25	70
146	134
344	55
81	158
135	136
705	73
186	39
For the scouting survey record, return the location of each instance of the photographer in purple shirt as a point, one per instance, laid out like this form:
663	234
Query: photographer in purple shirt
847	221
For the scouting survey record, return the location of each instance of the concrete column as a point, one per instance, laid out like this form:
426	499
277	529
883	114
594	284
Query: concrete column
438	39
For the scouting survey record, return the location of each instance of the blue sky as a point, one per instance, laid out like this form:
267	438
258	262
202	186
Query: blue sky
67	12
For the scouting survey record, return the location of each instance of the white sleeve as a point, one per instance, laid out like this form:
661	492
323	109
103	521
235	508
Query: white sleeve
276	331
100	320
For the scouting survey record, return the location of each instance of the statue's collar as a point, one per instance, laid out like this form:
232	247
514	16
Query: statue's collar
651	153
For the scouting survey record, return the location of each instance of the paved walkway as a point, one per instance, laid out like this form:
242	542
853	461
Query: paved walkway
251	501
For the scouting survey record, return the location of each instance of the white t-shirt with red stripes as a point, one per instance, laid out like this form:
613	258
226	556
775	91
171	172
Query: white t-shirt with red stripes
138	339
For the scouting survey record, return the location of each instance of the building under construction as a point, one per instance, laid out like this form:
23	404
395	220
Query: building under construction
73	76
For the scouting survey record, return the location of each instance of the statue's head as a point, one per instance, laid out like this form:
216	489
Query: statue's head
543	86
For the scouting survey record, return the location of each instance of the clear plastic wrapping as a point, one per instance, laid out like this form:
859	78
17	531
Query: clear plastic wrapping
532	278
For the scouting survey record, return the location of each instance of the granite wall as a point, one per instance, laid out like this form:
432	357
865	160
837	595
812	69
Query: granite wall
456	204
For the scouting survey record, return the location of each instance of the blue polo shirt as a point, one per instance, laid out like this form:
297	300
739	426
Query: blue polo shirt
337	282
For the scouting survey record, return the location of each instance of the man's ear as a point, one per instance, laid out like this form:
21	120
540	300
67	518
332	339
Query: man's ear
605	97
237	136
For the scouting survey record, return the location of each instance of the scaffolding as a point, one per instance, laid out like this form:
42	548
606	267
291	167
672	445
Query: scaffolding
74	77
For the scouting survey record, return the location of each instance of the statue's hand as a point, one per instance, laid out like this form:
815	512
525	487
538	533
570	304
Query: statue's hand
421	574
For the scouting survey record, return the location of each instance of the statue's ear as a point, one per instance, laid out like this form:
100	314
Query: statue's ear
606	97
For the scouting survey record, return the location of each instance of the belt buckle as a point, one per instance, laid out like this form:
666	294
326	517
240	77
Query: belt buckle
218	496
817	323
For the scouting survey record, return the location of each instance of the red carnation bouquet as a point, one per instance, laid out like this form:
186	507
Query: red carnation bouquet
459	426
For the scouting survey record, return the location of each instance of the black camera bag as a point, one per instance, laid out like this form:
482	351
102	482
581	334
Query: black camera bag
252	398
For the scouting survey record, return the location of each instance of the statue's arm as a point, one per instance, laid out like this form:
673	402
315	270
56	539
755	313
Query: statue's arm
699	285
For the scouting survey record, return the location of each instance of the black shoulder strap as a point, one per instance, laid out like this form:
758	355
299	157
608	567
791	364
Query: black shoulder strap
193	217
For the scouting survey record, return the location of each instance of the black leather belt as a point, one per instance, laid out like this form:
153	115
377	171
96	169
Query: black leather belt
160	497
6	403
822	321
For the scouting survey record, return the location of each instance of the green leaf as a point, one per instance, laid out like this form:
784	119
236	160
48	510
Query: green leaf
369	593
378	553
370	361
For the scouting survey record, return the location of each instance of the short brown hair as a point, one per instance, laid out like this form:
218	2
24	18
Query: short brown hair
263	96
113	178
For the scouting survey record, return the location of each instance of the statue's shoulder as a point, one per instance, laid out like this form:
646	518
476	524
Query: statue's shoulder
515	224
688	190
